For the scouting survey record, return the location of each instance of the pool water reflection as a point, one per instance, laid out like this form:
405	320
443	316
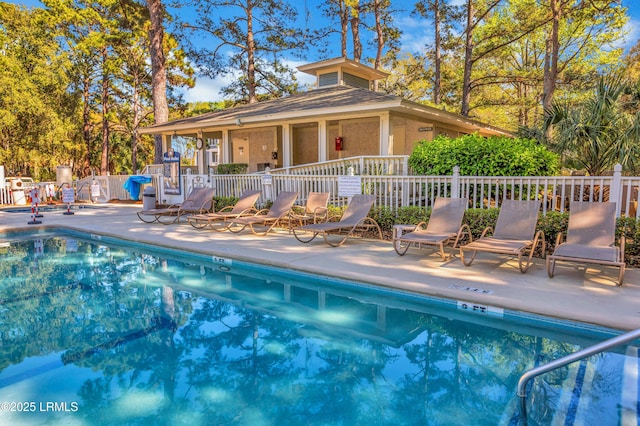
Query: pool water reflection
96	333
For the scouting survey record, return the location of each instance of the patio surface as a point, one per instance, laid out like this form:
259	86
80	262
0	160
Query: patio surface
574	293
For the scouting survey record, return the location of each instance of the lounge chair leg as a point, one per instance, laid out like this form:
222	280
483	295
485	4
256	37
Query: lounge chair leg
333	243
621	275
523	266
172	220
300	236
551	265
470	261
145	220
236	228
400	248
224	226
441	252
198	224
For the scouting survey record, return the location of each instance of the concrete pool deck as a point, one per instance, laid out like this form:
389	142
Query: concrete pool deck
589	296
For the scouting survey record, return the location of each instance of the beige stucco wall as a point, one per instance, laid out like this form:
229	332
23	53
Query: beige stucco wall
304	143
360	137
408	131
254	146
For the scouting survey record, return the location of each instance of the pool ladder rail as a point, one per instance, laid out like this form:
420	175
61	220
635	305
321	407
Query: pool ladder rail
566	360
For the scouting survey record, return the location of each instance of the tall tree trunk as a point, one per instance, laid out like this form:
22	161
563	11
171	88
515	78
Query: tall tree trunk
379	38
344	26
468	61
379	33
437	54
552	46
158	71
104	158
251	55
355	33
86	124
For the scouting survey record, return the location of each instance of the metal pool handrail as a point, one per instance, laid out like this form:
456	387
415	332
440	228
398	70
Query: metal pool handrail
561	362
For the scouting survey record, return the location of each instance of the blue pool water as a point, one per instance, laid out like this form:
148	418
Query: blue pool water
94	331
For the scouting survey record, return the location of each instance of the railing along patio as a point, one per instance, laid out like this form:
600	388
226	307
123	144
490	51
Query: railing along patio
388	178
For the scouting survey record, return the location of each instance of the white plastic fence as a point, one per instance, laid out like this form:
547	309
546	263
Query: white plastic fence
363	165
394	191
380	176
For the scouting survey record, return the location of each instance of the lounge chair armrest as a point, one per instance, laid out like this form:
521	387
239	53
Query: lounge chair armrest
487	230
400	229
332	217
225	209
539	237
320	212
298	210
421	225
262	211
464	229
250	210
559	239
623	241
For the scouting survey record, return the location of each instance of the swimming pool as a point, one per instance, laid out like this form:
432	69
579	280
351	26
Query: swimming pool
95	330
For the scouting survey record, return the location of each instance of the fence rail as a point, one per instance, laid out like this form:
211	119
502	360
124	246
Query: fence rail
398	190
394	191
363	165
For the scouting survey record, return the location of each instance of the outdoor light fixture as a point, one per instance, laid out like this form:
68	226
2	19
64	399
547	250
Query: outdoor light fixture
238	122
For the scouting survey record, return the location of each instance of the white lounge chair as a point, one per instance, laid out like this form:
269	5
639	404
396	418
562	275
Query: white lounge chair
354	219
199	200
514	234
220	220
444	227
591	236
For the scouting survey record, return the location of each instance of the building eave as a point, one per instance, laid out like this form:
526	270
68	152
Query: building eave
348	102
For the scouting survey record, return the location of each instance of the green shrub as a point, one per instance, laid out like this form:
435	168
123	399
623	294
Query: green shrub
628	226
222	202
480	156
233	168
479	219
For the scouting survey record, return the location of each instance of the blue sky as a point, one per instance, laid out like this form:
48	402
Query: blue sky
415	36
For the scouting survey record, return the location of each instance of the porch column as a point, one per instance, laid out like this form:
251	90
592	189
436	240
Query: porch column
167	140
286	145
200	155
225	147
322	140
386	134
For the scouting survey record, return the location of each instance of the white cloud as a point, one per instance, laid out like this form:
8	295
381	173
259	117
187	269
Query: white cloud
205	90
417	33
209	90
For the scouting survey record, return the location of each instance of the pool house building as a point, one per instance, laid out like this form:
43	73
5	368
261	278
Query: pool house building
341	117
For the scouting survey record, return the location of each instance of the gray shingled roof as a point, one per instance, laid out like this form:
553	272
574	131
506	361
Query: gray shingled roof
322	101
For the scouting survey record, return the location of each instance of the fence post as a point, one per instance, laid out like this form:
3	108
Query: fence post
615	190
455	182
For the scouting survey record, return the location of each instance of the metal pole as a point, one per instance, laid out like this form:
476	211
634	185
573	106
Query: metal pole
561	362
